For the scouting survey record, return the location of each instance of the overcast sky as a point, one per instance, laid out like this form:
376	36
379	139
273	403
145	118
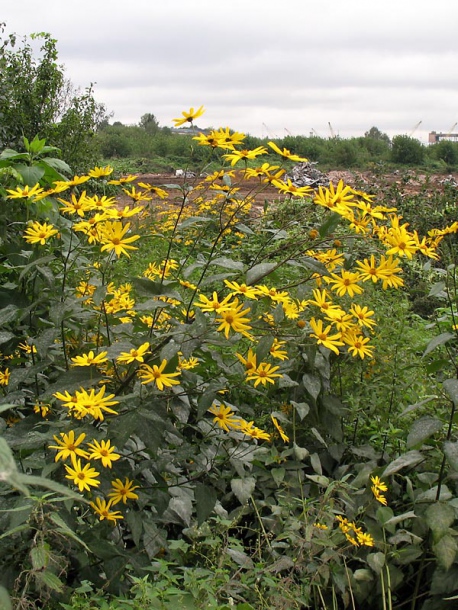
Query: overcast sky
265	67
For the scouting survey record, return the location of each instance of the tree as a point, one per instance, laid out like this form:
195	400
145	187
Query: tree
37	100
374	133
149	123
407	151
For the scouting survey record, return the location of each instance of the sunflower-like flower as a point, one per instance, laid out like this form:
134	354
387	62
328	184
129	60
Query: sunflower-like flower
84	477
39	233
68	446
121	492
189	116
263	374
224	417
113	238
156	375
103	509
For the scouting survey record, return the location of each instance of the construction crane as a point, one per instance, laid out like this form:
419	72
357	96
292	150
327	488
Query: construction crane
450	131
269	133
333	135
415	128
288	132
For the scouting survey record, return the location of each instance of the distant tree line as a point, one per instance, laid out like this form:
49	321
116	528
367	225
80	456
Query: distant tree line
148	140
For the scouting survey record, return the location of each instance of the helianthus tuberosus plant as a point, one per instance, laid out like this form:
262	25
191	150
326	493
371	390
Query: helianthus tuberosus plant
198	391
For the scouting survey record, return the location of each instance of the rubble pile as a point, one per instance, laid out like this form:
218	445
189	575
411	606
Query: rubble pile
306	174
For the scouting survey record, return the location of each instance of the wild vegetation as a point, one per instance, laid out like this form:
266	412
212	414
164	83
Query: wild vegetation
207	407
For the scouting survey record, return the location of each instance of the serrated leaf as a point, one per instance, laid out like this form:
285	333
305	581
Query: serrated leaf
205	497
263	347
439	340
445	551
8	314
50	580
39	557
258	272
31	174
243	488
422	429
329	225
439	517
193	220
411	458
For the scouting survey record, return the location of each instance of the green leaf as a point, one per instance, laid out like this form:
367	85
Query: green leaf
8	314
5	336
376	561
229	263
258	272
63	528
329	225
5	602
302	409
31	174
451	388
205	497
319	479
312	384
439	340
29	479
39	557
243	488
439	517
263	347
445	551
411	458
50	580
451	453
422	429
438	290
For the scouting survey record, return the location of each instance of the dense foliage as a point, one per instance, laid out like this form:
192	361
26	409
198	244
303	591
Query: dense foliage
37	100
210	403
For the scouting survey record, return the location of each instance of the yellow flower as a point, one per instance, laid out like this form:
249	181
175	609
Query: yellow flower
99	172
102	508
249	429
90	358
244	155
134	355
69	447
249	362
41	409
5	377
121	492
24	192
84	403
188	364
103	451
291	189
284	436
77	205
113	238
38	233
188	117
345	283
286	153
234	319
379	484
213	304
324	337
276	350
363	315
364	539
248	292
264	373
334	197
227	139
123	180
156	375
224	417
83	477
357	344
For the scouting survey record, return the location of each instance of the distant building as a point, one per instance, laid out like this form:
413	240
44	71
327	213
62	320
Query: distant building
435	137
